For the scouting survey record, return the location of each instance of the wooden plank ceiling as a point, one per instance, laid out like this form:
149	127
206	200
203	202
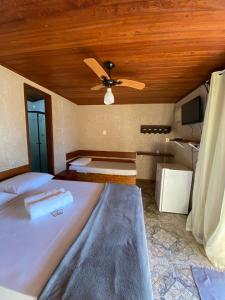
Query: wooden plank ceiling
170	45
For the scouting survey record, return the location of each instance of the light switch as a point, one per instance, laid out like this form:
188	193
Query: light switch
104	132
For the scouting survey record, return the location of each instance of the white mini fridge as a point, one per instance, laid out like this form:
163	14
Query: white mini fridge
173	188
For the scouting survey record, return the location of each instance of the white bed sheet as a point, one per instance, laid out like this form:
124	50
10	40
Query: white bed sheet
31	249
107	167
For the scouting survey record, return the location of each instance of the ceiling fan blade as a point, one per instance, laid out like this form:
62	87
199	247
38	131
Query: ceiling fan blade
97	87
131	83
96	67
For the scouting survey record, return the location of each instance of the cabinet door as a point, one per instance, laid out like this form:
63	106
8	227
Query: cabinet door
176	191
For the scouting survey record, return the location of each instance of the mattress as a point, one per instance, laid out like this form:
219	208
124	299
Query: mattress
31	249
107	167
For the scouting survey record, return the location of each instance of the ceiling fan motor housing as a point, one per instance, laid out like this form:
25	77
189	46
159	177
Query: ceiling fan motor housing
109	82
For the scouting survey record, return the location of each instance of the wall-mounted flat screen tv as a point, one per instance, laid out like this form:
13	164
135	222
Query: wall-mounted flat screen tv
192	112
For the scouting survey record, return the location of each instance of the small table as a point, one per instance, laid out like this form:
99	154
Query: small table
66	175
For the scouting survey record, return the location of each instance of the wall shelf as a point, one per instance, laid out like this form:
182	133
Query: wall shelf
192	143
185	141
155	154
155	129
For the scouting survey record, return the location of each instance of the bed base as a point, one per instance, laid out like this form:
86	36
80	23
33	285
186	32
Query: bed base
94	177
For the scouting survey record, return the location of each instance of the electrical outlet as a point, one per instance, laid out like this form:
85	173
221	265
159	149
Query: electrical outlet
104	132
167	140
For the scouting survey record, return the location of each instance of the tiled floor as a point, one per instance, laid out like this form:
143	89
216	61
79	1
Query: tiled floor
172	251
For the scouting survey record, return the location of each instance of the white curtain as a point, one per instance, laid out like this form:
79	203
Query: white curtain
207	218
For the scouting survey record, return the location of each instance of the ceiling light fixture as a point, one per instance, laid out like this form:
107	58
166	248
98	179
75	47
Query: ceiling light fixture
109	98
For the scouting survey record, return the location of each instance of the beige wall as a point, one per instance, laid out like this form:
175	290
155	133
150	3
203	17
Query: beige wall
13	144
82	127
186	155
122	126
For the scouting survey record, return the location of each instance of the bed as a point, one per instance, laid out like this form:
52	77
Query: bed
38	245
33	251
106	171
106	166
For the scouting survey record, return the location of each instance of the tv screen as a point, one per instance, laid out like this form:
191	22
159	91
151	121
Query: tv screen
192	111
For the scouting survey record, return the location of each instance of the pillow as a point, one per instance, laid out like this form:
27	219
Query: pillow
5	197
25	182
82	161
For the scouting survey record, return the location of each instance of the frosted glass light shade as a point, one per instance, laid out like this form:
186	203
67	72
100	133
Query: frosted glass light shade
109	98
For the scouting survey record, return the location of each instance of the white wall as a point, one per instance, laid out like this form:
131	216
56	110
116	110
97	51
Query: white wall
186	156
13	144
122	125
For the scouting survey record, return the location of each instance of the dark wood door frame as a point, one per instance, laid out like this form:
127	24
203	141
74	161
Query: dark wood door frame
49	127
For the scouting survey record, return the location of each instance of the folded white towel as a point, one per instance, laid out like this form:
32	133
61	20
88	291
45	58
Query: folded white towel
43	195
48	205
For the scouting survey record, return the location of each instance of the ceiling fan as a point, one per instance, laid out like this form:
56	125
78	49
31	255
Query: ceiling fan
107	80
